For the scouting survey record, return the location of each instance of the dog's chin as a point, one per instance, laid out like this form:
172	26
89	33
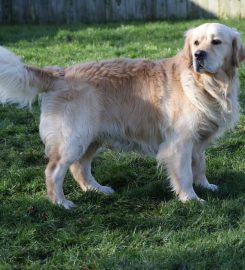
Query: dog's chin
203	68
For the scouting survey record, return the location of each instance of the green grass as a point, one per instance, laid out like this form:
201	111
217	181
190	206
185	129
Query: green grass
142	226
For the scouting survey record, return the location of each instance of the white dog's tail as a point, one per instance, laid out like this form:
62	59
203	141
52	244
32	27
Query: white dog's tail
19	83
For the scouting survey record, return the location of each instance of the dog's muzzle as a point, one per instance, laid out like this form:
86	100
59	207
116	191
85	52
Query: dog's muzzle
200	57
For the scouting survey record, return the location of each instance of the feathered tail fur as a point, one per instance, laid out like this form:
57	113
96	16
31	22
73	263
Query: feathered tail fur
20	83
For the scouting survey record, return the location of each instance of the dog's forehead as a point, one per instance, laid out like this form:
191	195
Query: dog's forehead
212	30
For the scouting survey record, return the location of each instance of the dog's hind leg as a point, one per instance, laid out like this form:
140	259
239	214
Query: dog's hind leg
81	171
55	174
60	159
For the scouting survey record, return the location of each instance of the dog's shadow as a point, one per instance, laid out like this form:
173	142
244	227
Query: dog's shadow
139	177
131	174
149	211
135	194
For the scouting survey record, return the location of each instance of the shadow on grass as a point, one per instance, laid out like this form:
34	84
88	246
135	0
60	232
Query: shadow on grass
134	202
60	231
148	216
69	33
203	254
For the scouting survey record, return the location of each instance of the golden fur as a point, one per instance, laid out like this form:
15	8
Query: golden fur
171	108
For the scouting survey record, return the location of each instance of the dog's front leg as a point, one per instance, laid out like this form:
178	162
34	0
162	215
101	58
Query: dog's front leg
198	169
177	156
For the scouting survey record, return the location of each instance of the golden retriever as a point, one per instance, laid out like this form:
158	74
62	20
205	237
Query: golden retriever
172	108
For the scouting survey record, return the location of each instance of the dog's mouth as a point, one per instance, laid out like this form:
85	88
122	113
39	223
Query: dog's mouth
201	67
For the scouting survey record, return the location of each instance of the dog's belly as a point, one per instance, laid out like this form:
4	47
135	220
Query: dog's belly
131	138
130	145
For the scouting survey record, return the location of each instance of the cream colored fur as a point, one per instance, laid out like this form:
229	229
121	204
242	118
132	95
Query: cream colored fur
167	108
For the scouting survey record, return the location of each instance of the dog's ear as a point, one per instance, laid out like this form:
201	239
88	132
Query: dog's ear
242	54
235	53
187	47
238	51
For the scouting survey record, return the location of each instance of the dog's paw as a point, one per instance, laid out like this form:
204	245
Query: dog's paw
201	201
66	203
189	199
212	187
186	197
106	190
98	188
102	189
207	185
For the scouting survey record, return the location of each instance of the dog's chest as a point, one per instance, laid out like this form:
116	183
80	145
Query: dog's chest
218	117
216	105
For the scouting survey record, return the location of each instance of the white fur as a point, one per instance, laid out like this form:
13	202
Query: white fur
15	81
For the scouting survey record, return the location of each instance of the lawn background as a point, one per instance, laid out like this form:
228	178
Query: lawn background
142	226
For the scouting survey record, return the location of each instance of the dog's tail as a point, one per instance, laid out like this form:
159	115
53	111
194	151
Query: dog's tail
20	83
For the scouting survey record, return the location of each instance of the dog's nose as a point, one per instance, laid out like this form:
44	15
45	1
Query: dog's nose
200	54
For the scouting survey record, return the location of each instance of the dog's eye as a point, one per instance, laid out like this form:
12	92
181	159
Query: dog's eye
196	42
216	42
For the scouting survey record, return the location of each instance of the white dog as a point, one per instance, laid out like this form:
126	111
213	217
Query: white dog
172	108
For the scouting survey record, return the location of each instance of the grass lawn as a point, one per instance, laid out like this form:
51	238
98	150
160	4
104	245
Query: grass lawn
142	226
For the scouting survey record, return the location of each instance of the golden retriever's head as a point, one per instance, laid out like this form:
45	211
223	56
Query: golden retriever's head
213	46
